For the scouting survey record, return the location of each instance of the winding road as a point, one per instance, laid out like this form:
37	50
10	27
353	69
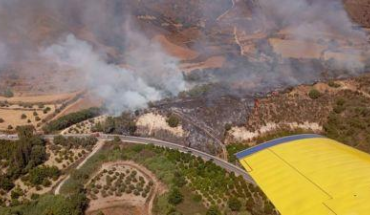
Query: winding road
142	140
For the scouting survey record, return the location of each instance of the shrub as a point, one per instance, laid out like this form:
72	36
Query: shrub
213	210
100	213
341	101
6	183
46	182
35	196
23	116
179	180
173	121
46	110
234	148
2	120
136	193
8	93
234	204
338	109
175	197
95	190
40	175
16	193
314	94
333	84
228	127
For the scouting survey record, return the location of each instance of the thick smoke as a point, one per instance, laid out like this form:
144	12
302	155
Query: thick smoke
318	26
82	40
154	77
103	41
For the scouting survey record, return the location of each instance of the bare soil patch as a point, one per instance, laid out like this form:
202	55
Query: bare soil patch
52	98
86	101
210	63
180	52
151	123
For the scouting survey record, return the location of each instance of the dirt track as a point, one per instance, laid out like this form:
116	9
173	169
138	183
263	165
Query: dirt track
97	147
137	204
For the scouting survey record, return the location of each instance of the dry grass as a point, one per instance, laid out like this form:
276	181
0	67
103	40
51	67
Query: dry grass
297	49
46	99
180	52
12	116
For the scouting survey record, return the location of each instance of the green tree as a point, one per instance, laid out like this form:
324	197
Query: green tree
6	183
213	210
25	132
234	204
333	84
314	94
269	208
179	180
228	127
16	193
71	119
173	121
175	197
38	175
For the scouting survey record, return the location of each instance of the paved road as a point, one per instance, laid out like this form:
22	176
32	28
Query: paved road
142	140
218	161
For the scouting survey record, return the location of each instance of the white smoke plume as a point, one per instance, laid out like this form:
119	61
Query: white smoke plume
155	76
143	72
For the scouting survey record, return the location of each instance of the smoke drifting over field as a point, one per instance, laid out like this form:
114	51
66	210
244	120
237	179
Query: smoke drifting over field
315	20
154	77
149	75
311	17
99	38
317	26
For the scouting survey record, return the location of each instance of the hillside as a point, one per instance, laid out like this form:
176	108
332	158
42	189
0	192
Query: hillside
80	81
336	109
